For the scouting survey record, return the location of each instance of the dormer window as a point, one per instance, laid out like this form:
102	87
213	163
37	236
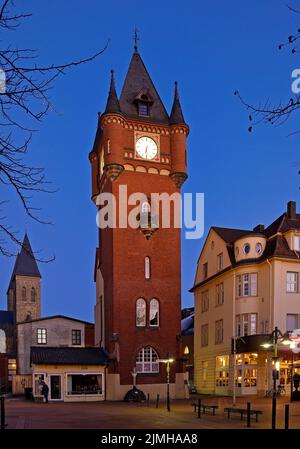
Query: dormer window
143	102
297	242
143	108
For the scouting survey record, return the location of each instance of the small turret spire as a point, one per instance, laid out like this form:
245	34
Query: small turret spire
112	104
176	116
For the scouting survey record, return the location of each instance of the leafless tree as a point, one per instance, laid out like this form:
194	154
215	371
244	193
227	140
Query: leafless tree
24	103
267	111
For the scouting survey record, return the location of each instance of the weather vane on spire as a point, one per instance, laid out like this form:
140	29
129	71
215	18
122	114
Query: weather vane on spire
136	39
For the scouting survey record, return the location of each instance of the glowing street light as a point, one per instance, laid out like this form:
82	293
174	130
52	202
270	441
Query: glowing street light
168	360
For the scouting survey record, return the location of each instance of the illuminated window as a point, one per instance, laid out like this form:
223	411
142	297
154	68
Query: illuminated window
140	312
42	336
146	361
186	350
154	312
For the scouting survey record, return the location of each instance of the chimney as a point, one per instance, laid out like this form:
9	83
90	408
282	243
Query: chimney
259	228
291	210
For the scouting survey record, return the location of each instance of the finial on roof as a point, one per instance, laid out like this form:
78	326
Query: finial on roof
176	116
112	104
136	39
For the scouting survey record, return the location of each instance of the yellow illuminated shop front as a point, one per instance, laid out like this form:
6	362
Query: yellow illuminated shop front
246	373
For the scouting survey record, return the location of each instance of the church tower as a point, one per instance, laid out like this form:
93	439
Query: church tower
24	294
138	270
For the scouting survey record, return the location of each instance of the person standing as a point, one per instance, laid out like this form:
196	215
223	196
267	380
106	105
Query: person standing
45	392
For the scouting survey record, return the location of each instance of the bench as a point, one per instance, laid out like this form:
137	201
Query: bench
205	407
242	412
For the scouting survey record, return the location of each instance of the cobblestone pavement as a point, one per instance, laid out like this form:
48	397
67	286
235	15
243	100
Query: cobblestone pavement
21	414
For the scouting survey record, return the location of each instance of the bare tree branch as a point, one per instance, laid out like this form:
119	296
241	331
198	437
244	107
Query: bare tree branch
24	103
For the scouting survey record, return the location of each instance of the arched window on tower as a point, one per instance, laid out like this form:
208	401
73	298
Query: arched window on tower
147	268
33	295
24	294
2	342
146	209
154	313
140	317
146	360
108	146
143	106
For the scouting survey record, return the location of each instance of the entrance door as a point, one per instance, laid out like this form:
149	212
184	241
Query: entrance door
55	388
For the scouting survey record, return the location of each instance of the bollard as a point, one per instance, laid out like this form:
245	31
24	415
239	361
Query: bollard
2	413
148	399
157	400
248	414
199	408
286	416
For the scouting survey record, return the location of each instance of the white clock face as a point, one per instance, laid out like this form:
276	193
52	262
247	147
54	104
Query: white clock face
146	148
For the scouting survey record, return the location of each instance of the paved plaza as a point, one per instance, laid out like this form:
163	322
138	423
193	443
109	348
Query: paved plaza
22	414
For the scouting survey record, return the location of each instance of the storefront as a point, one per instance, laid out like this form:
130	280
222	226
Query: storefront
72	374
246	373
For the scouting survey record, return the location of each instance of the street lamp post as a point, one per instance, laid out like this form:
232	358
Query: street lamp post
276	336
168	360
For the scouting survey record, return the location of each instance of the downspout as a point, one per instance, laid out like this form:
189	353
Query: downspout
234	339
271	296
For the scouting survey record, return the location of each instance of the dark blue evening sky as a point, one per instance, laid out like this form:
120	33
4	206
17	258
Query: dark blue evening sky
211	48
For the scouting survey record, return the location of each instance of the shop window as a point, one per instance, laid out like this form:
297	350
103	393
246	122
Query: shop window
84	384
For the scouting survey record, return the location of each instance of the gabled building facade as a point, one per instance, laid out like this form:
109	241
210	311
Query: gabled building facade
247	282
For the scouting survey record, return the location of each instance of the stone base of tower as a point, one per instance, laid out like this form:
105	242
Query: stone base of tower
116	392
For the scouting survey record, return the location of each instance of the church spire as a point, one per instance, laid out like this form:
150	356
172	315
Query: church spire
112	104
176	116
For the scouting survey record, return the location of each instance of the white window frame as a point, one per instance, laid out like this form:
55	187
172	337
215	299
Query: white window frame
243	324
151	362
247	285
41	336
147	268
84	374
144	307
297	315
292	285
154	301
220	261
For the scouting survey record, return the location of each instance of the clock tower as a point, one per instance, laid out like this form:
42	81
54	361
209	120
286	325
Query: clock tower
140	147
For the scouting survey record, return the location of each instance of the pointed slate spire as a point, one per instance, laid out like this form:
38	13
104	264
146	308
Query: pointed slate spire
176	116
112	104
137	85
25	263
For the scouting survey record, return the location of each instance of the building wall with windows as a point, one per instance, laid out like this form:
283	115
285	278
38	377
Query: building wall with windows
52	331
260	289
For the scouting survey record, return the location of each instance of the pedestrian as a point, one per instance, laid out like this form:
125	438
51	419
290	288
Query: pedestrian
45	391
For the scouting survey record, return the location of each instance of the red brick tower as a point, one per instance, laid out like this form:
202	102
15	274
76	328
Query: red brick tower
137	271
